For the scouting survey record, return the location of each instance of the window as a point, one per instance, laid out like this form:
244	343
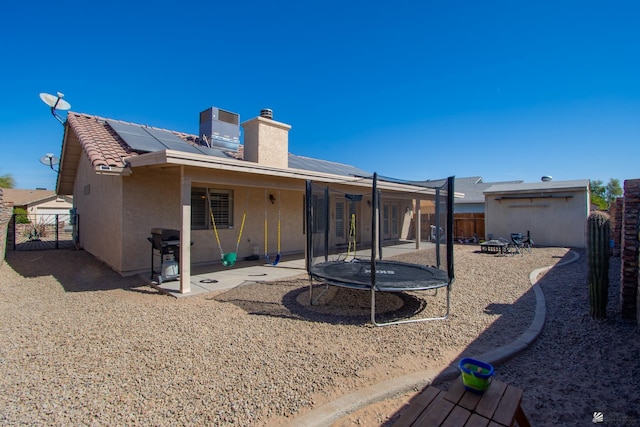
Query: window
394	219
220	203
319	214
340	219
390	217
385	219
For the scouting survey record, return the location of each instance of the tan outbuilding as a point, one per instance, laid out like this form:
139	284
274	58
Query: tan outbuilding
554	212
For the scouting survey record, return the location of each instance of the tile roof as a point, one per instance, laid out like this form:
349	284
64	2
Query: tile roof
104	147
100	143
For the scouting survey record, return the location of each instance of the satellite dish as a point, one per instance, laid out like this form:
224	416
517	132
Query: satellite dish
56	103
50	160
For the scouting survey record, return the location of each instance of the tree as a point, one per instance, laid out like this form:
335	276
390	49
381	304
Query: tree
613	190
597	194
603	195
7	181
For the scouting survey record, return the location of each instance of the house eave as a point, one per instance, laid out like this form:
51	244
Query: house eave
180	158
542	195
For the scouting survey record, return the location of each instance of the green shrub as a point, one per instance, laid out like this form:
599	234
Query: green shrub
21	216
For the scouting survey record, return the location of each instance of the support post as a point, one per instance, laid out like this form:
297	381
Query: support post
185	233
418	220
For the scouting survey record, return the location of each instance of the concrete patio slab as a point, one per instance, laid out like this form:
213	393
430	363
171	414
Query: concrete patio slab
215	277
218	279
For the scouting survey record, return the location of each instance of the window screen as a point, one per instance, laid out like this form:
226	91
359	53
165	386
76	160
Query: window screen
199	212
221	207
319	214
339	219
220	203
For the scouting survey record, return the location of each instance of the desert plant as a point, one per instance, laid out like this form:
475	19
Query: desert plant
598	235
21	216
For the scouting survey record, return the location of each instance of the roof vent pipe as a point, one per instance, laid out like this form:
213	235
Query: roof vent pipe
267	113
546	178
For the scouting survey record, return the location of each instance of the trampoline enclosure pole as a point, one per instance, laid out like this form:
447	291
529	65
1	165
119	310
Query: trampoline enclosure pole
378	224
450	196
308	228
374	242
438	227
375	218
326	224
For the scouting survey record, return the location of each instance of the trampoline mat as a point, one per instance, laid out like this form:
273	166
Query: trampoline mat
391	276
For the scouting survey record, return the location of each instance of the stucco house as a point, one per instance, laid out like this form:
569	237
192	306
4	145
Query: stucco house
555	212
127	179
38	201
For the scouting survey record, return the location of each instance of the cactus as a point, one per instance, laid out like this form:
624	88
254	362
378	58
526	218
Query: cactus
598	232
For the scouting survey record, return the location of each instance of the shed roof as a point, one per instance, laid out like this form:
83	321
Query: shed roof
544	186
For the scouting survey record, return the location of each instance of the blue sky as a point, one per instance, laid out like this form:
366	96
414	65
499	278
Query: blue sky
411	89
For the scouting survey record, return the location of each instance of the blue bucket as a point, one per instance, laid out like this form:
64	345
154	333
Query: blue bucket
476	375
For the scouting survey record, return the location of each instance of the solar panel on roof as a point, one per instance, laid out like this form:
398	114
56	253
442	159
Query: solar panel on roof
145	139
136	137
210	151
149	140
180	146
164	136
317	165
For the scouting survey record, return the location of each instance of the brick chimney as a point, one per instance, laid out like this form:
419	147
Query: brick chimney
266	141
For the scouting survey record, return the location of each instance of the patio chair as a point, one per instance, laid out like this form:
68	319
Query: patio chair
527	242
516	244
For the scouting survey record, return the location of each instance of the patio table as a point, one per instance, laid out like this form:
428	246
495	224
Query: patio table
493	246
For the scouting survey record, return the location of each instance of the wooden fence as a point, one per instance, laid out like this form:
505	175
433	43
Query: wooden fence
468	225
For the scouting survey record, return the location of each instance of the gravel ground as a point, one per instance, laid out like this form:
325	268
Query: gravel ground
579	365
83	346
576	367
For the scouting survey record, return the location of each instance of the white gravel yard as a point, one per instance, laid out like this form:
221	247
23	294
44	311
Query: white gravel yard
576	367
83	346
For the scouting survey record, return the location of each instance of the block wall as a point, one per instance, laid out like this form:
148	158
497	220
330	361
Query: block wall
5	217
630	306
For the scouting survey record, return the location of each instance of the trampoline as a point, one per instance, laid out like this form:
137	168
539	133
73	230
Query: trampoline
391	276
328	266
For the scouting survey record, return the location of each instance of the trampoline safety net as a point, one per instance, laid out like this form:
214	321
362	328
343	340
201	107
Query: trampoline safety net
381	234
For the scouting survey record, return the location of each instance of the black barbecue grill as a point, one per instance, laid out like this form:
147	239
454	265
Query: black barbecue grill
166	243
